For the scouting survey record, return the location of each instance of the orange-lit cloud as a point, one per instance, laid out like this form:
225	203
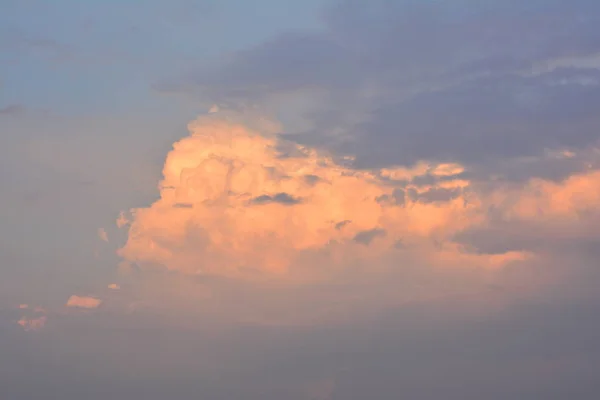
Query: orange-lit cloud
545	201
232	204
122	220
83	302
102	235
32	324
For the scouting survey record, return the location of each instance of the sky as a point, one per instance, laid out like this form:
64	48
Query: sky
316	200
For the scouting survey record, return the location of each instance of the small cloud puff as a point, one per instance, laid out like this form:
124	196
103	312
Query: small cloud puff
122	220
102	235
32	324
114	286
83	302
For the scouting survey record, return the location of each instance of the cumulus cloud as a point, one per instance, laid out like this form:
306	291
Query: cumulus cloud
83	302
421	158
114	286
252	213
249	209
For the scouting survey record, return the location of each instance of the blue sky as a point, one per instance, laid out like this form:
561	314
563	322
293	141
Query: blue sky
94	57
310	200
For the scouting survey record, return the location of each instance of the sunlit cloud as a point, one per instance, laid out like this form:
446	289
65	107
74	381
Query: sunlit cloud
232	205
378	201
32	324
102	235
83	302
122	220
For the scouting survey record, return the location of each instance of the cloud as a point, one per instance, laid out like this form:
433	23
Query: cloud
400	82
249	209
280	198
32	324
347	240
365	237
83	302
12	109
102	235
114	286
122	220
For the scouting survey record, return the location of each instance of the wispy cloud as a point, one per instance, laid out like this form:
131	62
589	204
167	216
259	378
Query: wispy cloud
12	109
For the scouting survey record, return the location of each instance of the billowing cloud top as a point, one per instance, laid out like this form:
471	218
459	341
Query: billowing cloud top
233	204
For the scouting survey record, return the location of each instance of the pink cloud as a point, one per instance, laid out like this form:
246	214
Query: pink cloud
83	302
32	324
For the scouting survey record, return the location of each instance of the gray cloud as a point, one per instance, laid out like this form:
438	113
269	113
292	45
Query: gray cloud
366	237
342	224
183	205
437	195
281	198
441	81
488	118
12	109
311	179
